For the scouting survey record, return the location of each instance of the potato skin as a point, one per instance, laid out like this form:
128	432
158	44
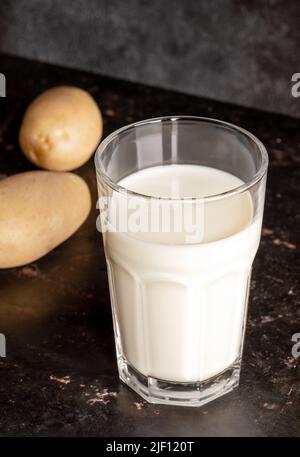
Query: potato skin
61	129
38	211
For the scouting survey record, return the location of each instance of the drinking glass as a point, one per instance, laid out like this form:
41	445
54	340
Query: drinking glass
179	296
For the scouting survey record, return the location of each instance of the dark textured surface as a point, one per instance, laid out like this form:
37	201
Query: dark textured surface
60	376
233	50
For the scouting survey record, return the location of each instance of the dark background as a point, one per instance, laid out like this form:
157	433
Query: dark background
238	51
55	313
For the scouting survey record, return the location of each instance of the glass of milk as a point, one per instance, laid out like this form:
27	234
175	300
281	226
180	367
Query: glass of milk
181	205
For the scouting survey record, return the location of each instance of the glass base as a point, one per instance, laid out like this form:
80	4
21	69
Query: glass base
181	394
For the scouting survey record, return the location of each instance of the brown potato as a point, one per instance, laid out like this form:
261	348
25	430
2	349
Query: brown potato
38	211
61	129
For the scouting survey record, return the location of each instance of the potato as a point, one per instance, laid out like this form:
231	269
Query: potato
61	129
38	211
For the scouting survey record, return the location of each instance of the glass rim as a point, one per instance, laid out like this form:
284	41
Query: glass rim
229	193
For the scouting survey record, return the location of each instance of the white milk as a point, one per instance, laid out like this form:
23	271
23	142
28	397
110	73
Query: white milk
179	308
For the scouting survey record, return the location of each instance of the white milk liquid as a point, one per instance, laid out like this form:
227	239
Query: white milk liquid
179	308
